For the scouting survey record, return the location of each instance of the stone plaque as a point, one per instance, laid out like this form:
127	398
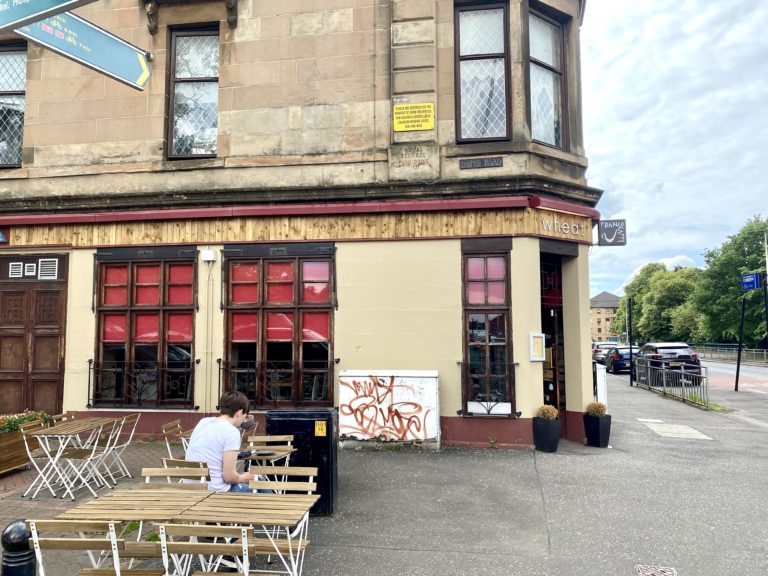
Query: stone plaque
472	163
414	161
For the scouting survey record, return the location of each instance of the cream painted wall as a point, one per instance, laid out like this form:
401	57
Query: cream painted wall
209	330
526	318
400	309
578	359
81	329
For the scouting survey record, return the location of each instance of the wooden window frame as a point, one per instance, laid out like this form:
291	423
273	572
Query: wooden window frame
131	310
458	59
203	30
262	308
16	47
561	23
487	309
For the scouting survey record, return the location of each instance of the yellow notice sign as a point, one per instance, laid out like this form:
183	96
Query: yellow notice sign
407	117
320	428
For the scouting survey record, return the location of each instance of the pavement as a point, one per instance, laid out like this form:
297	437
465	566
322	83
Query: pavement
680	491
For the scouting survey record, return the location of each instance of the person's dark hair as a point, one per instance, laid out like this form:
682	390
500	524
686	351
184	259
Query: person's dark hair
231	402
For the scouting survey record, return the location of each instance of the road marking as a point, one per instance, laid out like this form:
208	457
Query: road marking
749	420
649	420
676	431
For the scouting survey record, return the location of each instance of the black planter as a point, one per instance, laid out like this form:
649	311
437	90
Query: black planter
597	430
546	434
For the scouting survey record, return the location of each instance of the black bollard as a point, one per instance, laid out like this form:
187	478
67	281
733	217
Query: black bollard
18	559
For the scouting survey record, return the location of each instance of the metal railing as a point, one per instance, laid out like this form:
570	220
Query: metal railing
267	383
689	382
729	354
487	389
141	384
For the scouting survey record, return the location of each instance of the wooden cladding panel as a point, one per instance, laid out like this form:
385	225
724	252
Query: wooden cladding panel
470	223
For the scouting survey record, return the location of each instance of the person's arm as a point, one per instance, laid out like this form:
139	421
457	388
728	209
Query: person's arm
229	472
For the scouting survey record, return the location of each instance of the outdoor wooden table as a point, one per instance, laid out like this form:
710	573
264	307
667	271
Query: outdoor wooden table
140	505
55	440
283	520
271	455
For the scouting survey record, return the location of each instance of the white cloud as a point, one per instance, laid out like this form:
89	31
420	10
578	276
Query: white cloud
674	97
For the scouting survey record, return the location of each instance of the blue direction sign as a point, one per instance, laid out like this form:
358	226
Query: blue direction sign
750	281
15	13
77	39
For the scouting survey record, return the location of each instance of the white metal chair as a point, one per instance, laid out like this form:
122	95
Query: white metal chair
127	430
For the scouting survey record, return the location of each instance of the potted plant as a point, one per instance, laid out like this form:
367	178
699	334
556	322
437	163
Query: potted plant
546	428
597	425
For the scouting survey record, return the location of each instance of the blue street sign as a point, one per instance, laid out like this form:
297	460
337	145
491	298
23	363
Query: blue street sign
77	39
16	13
750	281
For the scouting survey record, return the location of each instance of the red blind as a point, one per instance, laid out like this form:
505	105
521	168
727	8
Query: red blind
279	326
315	326
113	329
145	327
179	327
245	327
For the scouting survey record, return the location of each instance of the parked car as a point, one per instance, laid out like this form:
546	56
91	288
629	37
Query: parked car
599	349
617	358
665	363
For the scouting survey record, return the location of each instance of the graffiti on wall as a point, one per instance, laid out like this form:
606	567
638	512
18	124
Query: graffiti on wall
388	406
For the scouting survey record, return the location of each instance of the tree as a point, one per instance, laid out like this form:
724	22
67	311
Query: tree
666	315
636	289
718	295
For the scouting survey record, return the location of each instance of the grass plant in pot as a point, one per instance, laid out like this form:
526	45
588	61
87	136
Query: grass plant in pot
597	425
546	428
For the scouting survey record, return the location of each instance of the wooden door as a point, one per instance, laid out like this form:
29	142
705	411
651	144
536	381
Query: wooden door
33	296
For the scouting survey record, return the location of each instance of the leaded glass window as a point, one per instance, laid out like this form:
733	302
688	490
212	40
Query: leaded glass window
194	93
546	53
483	68
13	77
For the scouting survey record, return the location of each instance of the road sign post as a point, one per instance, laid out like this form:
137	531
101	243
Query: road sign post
17	13
77	39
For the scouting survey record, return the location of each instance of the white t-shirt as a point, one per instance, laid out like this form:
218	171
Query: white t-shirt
210	439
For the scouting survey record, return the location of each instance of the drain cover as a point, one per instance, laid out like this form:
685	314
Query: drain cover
645	570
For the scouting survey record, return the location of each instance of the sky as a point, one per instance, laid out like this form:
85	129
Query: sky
675	105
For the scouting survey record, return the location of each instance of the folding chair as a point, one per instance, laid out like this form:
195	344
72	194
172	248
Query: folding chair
87	535
87	464
200	474
274	442
37	457
209	543
173	432
117	465
284	479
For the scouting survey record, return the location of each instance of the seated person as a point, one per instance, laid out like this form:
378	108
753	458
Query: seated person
216	441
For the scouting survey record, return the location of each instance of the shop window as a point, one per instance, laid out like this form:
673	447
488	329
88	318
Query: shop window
146	334
488	377
13	79
547	84
482	68
279	316
194	93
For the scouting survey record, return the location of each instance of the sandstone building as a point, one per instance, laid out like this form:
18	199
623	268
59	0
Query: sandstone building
304	187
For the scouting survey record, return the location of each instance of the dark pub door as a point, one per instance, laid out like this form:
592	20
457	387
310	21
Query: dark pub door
33	301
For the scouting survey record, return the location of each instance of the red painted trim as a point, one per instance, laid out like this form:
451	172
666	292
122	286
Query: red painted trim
503	202
563	206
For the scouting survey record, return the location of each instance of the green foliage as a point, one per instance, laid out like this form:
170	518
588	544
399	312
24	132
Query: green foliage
547	412
701	305
596	409
718	294
11	422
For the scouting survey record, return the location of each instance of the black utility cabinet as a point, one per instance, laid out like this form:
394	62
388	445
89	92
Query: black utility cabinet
316	439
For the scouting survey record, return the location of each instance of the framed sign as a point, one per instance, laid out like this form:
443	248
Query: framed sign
538	353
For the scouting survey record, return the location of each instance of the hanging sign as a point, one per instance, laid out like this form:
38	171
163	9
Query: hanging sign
612	233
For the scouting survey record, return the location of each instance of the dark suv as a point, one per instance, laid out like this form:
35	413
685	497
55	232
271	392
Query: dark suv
670	363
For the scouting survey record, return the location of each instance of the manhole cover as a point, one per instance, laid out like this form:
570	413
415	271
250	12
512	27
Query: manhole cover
645	570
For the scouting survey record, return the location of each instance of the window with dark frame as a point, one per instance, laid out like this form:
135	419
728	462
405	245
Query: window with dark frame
482	63
145	339
13	79
279	318
194	93
488	374
547	81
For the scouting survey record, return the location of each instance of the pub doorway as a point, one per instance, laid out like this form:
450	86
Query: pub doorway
33	300
552	326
